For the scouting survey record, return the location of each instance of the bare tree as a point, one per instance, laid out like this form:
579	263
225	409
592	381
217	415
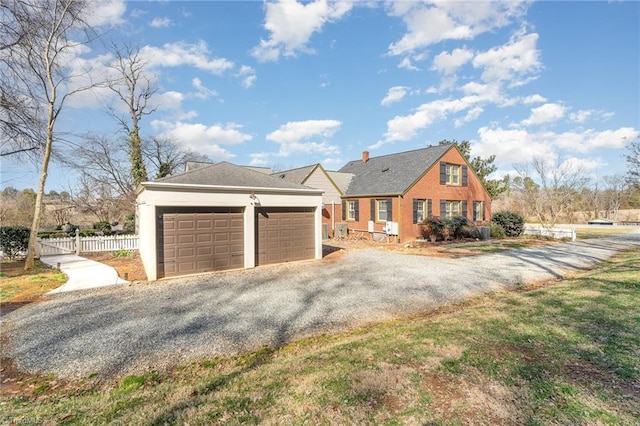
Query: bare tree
97	198
134	88
41	70
167	158
615	194
633	163
20	129
550	189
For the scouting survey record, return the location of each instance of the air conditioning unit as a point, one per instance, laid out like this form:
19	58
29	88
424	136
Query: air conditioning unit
340	231
391	228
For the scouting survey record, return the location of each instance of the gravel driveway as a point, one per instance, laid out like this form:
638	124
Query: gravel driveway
132	328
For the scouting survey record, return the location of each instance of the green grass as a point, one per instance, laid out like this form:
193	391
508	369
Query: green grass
17	285
564	353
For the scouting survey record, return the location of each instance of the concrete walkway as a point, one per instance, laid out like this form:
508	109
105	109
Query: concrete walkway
83	273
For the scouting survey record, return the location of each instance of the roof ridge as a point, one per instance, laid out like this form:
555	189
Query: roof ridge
405	152
293	170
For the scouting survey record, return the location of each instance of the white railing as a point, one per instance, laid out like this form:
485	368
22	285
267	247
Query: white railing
556	233
77	245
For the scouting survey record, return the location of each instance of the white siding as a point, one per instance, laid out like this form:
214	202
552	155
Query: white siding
319	180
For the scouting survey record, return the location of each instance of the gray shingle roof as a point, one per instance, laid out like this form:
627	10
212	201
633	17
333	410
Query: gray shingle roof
391	174
227	174
295	175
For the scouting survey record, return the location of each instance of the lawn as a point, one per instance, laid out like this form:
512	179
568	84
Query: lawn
564	352
18	287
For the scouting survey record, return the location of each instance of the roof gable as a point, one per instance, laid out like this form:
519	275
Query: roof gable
391	174
298	175
227	174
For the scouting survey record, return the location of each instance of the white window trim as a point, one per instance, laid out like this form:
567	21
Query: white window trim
450	174
386	211
422	203
449	211
351	214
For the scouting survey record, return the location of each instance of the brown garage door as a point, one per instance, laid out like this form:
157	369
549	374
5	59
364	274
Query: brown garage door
200	241
284	235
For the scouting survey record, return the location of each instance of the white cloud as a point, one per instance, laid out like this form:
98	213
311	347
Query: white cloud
448	63
106	12
590	139
547	113
516	61
407	64
582	164
513	146
585	114
202	92
292	24
180	53
248	76
201	138
533	99
306	137
168	100
472	115
160	22
434	21
402	128
394	94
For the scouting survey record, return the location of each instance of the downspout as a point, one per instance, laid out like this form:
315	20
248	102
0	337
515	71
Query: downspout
333	218
399	218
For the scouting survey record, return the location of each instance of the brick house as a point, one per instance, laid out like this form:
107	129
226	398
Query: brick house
334	184
406	187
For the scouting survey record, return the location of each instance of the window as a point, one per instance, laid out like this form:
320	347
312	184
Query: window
453	174
382	210
351	210
452	209
420	209
478	210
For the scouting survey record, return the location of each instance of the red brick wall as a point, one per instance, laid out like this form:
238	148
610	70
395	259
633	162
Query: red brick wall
327	213
426	188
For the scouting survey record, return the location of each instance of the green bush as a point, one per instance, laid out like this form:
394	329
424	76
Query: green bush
103	226
13	240
497	231
458	226
129	225
88	233
512	223
433	226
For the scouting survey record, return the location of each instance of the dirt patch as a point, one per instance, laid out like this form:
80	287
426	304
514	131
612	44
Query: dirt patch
447	249
128	268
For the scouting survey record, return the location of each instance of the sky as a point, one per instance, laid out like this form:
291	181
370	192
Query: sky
285	84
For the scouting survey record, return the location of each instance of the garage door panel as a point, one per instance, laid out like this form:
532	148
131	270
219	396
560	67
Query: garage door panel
200	242
284	234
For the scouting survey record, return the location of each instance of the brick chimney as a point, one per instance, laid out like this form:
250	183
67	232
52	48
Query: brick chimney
365	156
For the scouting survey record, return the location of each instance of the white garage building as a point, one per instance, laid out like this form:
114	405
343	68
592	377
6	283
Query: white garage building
224	216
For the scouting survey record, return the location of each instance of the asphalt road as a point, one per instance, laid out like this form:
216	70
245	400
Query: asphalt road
127	329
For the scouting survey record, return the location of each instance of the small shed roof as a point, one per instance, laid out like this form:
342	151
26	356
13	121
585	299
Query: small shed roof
391	174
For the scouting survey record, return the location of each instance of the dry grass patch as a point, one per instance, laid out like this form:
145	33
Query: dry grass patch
19	287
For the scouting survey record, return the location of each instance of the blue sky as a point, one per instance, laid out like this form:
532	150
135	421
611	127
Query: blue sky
287	84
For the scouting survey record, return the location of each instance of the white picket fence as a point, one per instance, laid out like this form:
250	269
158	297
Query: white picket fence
77	245
556	233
